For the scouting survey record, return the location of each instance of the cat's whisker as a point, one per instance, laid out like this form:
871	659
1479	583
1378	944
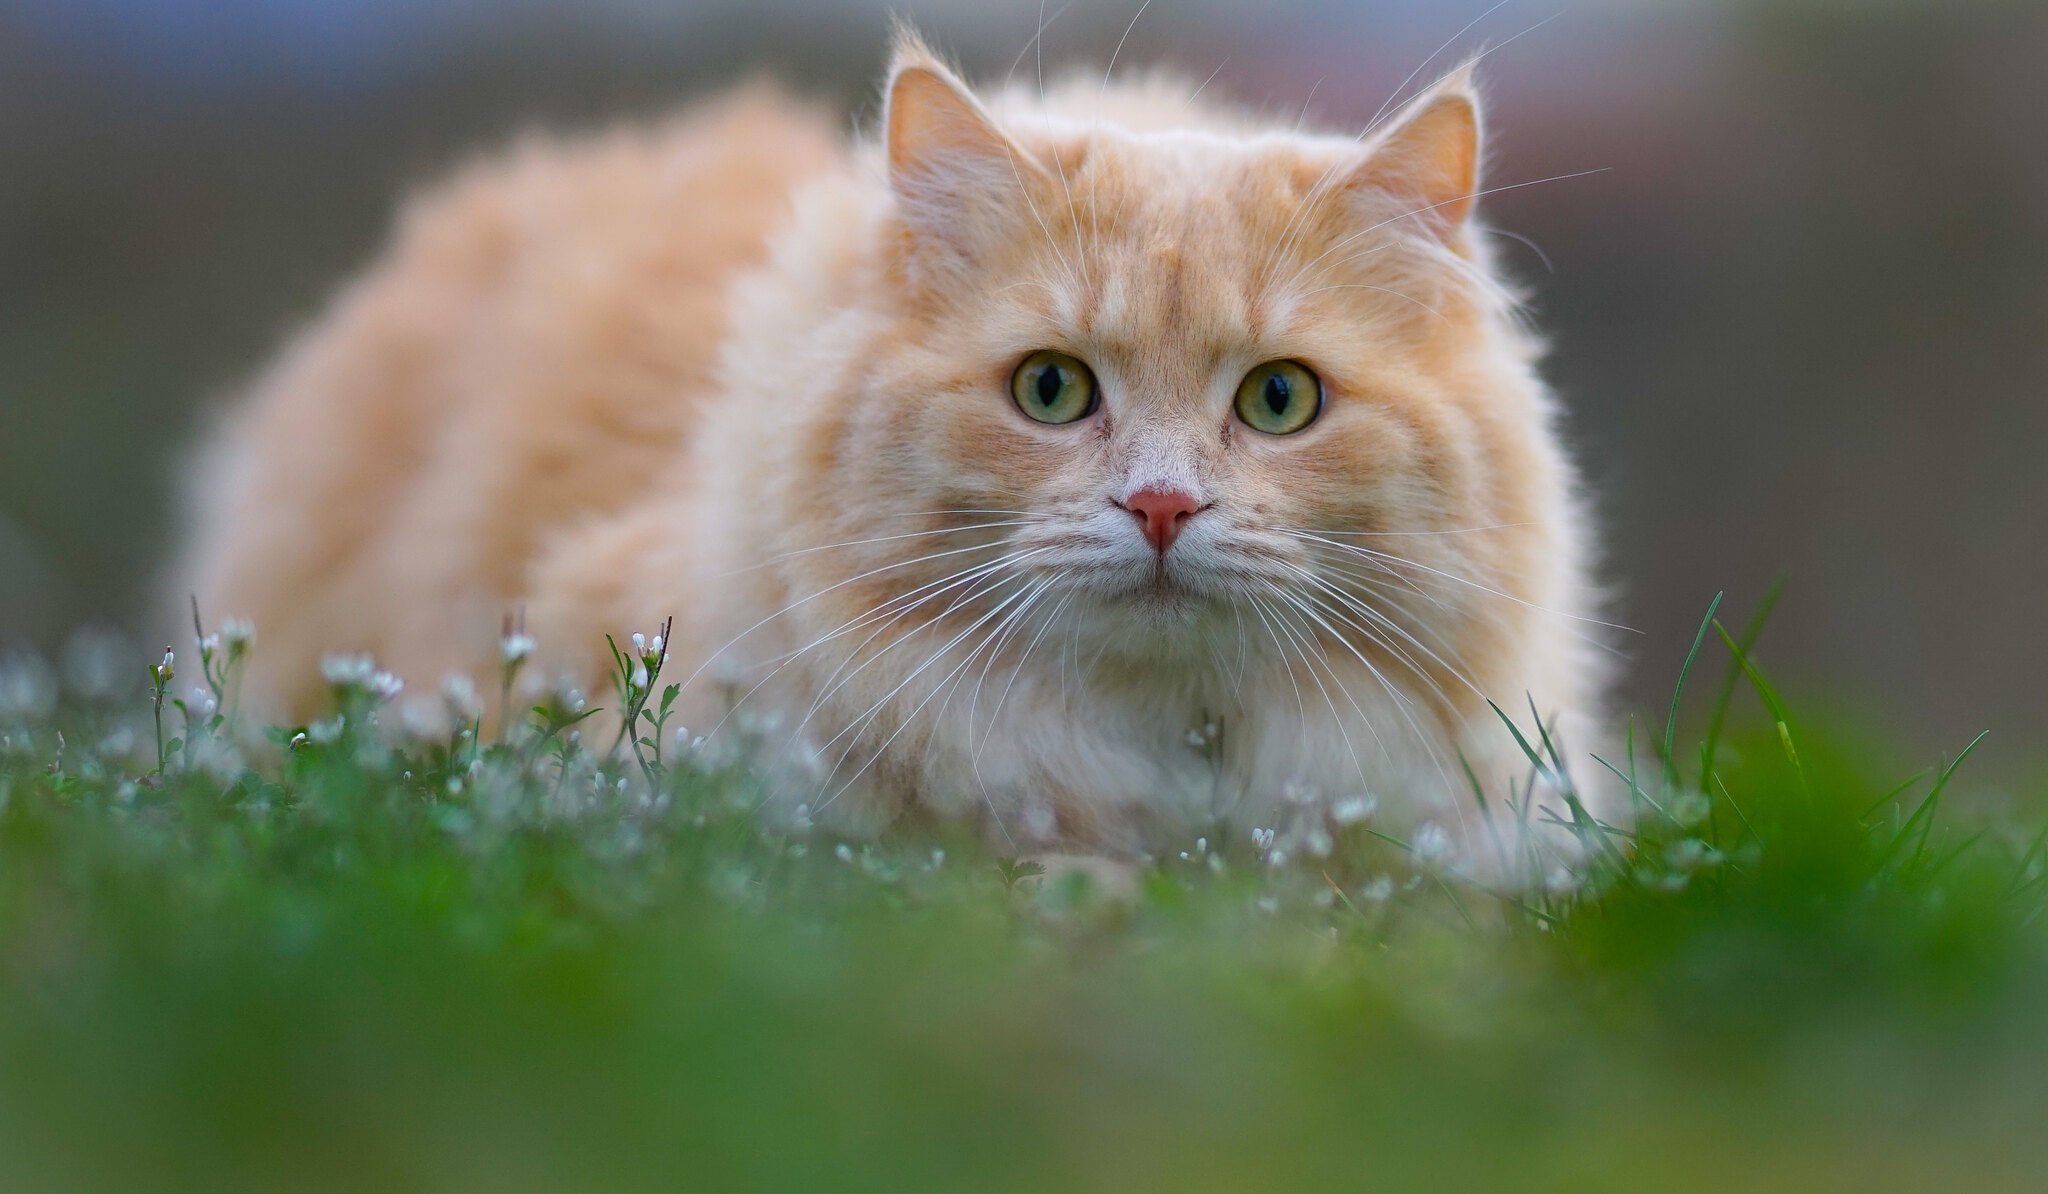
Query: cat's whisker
873	710
712	658
971	586
1499	526
1402	703
902	605
805	551
1303	638
1400	561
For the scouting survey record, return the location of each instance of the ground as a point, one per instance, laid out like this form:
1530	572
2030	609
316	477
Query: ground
332	962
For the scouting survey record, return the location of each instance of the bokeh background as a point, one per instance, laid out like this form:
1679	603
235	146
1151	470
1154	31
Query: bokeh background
1800	318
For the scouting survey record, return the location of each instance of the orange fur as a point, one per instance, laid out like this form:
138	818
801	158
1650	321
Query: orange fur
730	370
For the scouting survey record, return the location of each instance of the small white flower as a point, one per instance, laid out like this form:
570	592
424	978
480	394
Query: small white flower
655	644
938	860
460	693
843	851
96	664
1380	890
347	671
298	740
1689	809
1276	858
1196	740
28	689
1297	791
1432	844
385	686
168	668
515	648
1262	838
639	675
237	632
1686	854
1353	809
209	644
639	642
422	720
1201	845
1318	843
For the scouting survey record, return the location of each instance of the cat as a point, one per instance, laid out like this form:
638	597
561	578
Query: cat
1092	464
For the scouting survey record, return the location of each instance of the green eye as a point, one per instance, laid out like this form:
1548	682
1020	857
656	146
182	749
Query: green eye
1279	397
1053	387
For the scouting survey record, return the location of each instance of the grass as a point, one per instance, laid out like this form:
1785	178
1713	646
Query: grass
463	965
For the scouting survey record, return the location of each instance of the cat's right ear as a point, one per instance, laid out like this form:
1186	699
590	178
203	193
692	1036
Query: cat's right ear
957	179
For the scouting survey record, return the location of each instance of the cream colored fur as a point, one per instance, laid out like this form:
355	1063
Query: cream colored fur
731	370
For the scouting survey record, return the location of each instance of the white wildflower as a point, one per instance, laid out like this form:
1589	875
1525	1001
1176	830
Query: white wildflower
1353	809
385	686
1262	838
843	851
210	644
1317	842
96	663
28	689
459	691
1379	891
422	719
1689	809
515	648
639	643
237	633
1297	791
1432	844
1686	854
639	680
346	671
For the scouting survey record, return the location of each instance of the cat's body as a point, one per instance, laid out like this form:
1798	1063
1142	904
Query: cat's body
731	371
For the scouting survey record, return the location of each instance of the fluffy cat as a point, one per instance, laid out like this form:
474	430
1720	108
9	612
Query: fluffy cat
1096	464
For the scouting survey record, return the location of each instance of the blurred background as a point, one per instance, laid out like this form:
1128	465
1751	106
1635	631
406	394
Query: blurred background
1800	318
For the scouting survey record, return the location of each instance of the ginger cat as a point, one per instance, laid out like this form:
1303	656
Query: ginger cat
1096	464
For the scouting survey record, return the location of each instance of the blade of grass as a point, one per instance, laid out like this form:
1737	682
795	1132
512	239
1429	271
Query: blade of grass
1678	692
1718	719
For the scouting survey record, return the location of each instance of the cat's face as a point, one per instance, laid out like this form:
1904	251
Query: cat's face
1176	375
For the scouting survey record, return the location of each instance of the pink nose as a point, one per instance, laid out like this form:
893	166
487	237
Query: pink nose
1162	511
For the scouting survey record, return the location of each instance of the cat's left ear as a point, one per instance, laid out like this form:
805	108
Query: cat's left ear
955	175
1427	158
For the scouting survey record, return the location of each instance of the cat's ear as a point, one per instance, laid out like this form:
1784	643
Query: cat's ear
1427	157
955	175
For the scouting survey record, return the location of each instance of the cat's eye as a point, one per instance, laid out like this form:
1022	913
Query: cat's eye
1053	387
1279	397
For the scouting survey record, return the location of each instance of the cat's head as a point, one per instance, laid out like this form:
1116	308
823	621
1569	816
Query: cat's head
1170	360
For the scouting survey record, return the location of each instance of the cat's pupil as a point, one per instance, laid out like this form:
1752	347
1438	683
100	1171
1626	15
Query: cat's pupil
1277	394
1050	383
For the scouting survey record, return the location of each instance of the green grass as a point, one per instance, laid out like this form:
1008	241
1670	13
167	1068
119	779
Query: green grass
330	971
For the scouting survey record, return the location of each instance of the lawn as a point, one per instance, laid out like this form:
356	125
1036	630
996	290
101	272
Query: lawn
410	959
